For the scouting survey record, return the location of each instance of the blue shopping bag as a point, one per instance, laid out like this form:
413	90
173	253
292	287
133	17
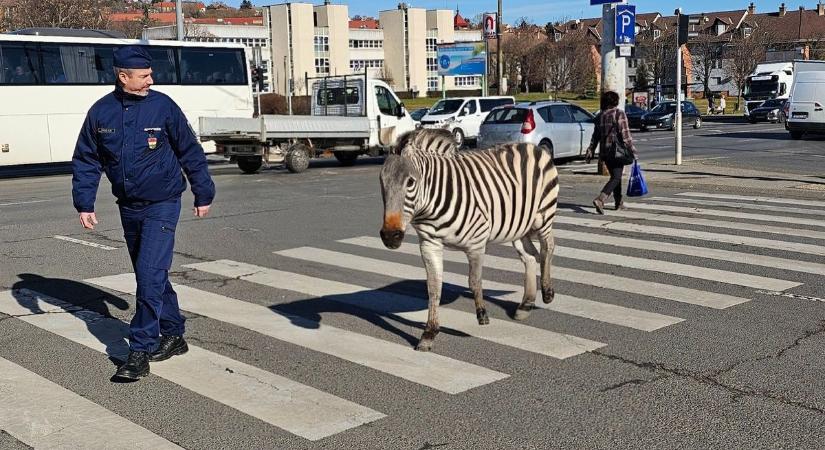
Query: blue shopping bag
637	186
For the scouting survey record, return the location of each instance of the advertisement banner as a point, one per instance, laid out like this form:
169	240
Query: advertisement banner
489	22
465	58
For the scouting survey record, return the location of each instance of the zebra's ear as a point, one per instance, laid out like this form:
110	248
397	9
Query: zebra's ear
402	145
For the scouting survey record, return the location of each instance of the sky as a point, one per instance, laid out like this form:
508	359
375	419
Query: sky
542	11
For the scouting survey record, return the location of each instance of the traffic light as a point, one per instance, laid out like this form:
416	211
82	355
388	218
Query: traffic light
682	26
258	77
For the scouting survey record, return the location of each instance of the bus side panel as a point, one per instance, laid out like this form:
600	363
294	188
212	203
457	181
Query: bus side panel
27	139
63	131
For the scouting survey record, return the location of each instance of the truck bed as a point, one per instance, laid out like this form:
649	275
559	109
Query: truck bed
284	127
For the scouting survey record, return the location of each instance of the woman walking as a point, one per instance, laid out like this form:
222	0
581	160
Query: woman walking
612	135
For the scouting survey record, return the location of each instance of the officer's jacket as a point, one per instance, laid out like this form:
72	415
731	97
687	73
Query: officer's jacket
141	143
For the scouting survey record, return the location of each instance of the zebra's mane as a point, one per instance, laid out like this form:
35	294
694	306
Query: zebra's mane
427	142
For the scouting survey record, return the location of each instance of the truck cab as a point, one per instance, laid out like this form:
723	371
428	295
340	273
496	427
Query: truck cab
767	81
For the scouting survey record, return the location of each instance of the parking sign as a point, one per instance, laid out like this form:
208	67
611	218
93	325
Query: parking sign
625	24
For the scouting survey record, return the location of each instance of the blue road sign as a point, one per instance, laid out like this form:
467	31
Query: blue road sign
625	24
603	2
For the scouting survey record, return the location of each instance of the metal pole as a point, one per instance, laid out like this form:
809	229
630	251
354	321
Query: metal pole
485	88
443	87
288	82
677	116
614	67
179	18
499	57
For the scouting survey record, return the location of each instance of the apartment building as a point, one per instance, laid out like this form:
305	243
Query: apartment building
315	40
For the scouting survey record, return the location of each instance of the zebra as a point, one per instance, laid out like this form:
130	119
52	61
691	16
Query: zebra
465	200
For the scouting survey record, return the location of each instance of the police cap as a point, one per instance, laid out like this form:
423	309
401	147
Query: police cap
132	57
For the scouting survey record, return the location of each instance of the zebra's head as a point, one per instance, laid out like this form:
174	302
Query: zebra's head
401	179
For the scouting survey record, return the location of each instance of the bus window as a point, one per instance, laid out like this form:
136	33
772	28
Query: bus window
18	64
198	66
77	64
164	65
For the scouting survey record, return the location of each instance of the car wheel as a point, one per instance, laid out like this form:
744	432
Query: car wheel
249	164
697	124
796	135
458	135
547	146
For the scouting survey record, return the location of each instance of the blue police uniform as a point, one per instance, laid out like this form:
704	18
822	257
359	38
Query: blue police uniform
144	145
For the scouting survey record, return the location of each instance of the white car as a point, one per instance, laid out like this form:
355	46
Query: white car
806	113
462	115
560	128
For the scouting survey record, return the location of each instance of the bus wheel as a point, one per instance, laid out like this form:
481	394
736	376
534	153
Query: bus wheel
346	158
249	164
297	158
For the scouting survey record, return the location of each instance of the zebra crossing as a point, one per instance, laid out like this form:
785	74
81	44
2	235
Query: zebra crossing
43	414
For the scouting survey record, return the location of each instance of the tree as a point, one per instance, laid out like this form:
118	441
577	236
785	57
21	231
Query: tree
642	77
60	14
519	48
743	53
246	4
567	64
659	56
706	54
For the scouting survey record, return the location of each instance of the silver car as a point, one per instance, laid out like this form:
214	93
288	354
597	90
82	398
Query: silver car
560	128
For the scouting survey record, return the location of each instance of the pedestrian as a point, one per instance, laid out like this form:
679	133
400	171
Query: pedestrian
722	104
711	108
611	124
141	140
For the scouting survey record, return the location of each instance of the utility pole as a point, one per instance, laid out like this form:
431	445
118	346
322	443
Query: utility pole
614	67
499	61
681	39
179	18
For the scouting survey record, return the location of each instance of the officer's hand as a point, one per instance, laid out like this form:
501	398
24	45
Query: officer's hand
88	220
201	211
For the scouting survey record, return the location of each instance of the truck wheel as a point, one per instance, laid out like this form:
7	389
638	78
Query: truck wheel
346	158
249	164
796	135
458	135
297	158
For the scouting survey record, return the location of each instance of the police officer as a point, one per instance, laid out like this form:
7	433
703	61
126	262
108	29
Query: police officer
141	139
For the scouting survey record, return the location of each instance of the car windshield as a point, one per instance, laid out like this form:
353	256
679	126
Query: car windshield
506	116
446	107
630	109
664	108
771	104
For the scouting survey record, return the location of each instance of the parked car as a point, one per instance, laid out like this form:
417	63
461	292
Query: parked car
419	113
562	129
634	115
768	111
462	115
662	116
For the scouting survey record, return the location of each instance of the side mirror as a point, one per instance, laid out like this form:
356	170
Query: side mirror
463	112
402	110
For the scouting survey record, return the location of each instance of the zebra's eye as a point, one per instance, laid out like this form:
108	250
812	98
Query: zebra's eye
410	182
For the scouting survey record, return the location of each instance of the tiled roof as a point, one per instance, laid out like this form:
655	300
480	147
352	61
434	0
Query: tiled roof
371	24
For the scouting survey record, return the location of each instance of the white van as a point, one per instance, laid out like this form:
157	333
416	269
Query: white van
806	113
462	115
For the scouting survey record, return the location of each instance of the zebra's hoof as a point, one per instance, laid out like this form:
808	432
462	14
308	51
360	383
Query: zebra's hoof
521	314
547	295
481	315
424	345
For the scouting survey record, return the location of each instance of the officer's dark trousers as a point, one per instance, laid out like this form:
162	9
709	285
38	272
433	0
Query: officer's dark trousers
150	235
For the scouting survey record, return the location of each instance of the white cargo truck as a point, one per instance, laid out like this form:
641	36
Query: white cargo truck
768	81
349	116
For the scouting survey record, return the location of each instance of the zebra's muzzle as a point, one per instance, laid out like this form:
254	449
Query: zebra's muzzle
392	238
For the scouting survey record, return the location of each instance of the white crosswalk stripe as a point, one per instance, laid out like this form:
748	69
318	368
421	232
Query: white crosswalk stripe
737	205
429	369
728	214
44	415
784	201
638	287
296	408
505	333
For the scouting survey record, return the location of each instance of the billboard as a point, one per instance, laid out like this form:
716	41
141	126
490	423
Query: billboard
489	22
465	58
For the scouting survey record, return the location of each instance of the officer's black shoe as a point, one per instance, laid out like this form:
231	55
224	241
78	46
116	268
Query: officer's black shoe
168	347
135	367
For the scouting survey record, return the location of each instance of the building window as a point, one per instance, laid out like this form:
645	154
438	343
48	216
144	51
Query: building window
358	65
366	43
467	81
557	36
716	80
657	34
432	64
747	31
322	65
432	83
720	28
717	64
321	44
632	79
432	44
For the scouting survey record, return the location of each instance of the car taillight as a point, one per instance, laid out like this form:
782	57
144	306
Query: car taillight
529	123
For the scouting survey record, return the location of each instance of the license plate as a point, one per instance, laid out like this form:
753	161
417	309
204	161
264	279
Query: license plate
800	115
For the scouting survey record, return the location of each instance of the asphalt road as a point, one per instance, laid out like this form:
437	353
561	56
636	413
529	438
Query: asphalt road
691	321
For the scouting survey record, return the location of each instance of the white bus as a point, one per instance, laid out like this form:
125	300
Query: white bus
48	83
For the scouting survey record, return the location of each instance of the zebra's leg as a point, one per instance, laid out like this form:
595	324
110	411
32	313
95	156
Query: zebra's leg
475	258
548	246
527	252
432	254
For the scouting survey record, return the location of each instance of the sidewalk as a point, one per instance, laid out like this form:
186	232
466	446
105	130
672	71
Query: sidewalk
701	172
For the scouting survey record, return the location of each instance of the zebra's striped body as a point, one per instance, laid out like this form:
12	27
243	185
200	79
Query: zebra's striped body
467	200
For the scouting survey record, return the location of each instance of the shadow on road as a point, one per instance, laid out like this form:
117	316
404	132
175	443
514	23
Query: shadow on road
737	177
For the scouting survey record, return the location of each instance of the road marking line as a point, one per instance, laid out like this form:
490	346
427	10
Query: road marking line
602	280
296	408
788	201
691	250
565	304
429	369
704	202
738	226
738	215
23	203
45	415
691	234
86	243
503	332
